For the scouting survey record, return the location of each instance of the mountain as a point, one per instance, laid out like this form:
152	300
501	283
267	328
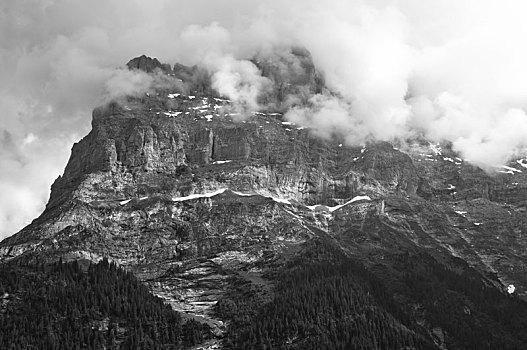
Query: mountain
278	239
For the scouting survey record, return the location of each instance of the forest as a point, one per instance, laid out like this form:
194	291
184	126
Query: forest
97	306
323	300
340	304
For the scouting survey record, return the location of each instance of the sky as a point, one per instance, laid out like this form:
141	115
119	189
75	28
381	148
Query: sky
449	70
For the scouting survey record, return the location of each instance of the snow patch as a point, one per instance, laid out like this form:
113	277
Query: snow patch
173	95
221	161
172	114
209	117
196	196
125	202
511	288
436	149
281	200
244	194
511	169
332	209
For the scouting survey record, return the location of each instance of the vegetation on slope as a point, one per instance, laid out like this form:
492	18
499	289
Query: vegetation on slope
63	306
336	303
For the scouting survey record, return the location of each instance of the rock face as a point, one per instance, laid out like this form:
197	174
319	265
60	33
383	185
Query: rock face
148	64
187	193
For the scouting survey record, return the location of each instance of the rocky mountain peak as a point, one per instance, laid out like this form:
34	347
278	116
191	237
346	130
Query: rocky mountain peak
148	64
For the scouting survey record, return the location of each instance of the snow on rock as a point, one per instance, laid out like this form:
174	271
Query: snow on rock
511	169
354	199
448	159
287	123
522	162
281	200
337	207
172	114
451	187
198	195
212	194
221	161
245	194
125	202
511	288
191	97
173	95
209	117
462	213
478	223
436	149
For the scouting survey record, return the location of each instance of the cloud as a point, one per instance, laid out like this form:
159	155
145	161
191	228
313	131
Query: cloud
125	82
449	70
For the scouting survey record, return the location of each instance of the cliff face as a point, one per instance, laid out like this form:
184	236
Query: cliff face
187	193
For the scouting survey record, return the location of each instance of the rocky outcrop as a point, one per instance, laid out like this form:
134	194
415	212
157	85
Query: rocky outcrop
293	76
148	64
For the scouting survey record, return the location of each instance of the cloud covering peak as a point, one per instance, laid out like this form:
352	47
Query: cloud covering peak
448	70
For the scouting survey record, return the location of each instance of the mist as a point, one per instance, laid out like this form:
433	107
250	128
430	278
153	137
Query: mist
446	70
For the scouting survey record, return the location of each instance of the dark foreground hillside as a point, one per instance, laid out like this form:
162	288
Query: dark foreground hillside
334	302
323	300
65	306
